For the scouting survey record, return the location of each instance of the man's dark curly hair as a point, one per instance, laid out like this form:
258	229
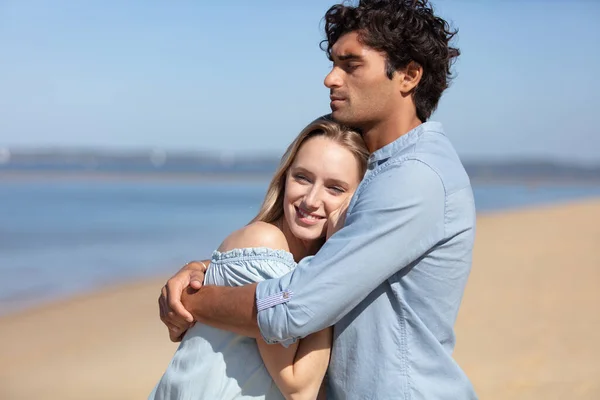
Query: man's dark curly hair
405	30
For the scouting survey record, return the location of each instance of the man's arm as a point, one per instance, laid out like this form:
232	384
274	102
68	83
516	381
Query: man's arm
224	307
398	217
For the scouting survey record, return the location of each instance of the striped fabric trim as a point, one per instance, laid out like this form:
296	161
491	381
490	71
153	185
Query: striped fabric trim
273	300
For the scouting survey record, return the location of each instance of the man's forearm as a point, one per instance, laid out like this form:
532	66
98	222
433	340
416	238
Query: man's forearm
228	308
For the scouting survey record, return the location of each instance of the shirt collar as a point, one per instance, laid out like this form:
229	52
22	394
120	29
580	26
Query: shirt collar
404	142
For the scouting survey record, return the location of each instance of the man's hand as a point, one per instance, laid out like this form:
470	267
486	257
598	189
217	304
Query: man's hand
172	313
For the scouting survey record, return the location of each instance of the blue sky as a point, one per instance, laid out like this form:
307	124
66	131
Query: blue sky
245	77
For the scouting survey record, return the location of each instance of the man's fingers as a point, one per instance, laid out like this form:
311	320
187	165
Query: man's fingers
173	321
173	328
179	310
161	308
175	335
177	328
195	283
168	317
174	289
172	312
177	320
197	270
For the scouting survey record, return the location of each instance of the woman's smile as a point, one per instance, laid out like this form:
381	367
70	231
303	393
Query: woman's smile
306	217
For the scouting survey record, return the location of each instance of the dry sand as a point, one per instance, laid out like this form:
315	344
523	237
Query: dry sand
529	323
527	329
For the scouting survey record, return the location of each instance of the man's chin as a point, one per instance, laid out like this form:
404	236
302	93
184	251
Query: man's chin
340	117
345	118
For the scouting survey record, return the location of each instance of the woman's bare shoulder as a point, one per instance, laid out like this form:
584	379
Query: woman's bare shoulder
256	234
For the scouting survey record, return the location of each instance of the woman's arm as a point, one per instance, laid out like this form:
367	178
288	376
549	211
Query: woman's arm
298	370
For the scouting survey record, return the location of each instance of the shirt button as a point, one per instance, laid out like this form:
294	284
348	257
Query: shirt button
286	295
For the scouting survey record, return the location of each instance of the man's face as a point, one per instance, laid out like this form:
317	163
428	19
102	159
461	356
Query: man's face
360	91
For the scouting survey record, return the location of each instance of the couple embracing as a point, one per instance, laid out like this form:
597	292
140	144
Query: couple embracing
347	283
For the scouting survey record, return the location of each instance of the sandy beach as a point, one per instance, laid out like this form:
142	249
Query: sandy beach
527	327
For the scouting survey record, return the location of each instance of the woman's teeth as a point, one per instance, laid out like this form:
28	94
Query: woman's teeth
305	215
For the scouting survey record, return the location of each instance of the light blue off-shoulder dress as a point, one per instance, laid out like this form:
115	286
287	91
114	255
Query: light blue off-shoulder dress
214	364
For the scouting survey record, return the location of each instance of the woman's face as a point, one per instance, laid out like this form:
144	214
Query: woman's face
322	177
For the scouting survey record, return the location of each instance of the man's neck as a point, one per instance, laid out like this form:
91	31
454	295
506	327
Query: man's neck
386	131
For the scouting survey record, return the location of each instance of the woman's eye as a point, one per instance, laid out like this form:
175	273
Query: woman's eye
338	189
300	177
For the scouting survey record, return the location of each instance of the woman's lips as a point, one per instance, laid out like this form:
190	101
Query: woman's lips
306	217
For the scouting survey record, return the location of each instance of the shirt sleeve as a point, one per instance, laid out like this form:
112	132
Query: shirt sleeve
396	218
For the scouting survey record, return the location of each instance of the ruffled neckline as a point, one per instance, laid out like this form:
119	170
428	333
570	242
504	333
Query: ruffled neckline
253	252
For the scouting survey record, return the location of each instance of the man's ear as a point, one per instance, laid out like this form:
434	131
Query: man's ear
409	77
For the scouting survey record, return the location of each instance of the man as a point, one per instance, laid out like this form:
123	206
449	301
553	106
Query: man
392	278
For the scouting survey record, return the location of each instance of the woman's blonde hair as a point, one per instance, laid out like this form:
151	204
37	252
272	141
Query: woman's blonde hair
271	209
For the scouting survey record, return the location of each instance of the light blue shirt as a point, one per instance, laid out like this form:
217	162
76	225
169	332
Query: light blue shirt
214	364
391	280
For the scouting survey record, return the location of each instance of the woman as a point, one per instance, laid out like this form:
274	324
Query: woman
317	176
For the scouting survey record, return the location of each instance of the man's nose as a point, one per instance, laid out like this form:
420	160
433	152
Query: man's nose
333	79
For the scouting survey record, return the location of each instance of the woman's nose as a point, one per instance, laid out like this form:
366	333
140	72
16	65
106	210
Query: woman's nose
311	200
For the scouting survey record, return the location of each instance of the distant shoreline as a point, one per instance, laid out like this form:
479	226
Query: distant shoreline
7	176
155	176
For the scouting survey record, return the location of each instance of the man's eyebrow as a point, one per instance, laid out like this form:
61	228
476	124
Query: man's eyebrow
347	57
